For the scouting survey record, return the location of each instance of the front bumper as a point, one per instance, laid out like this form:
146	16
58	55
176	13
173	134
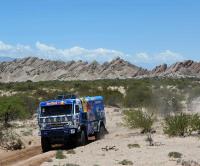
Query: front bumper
59	135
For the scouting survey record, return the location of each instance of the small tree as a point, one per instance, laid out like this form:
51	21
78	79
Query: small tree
12	108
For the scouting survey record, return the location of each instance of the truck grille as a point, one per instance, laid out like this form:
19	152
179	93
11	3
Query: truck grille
56	125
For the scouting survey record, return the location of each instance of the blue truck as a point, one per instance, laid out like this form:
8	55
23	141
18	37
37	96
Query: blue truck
70	120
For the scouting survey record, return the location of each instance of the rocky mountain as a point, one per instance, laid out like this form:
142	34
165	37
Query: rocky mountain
187	68
36	69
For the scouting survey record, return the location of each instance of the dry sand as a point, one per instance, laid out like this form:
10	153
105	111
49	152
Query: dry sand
118	139
110	150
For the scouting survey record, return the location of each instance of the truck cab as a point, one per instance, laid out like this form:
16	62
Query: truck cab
68	120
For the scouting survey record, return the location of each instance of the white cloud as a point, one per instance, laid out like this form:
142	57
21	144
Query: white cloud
45	51
77	53
166	56
4	47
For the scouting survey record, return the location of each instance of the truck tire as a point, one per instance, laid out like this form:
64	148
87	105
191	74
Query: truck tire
82	138
46	146
101	133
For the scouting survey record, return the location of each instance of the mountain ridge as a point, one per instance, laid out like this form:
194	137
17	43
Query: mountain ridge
35	69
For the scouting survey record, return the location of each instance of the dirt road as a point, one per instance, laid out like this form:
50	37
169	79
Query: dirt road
29	156
9	158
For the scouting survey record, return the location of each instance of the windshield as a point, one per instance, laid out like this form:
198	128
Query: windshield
56	110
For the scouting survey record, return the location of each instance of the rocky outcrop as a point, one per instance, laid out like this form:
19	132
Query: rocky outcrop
159	69
187	68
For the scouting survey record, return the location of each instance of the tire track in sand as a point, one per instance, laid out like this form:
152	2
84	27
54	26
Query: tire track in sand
11	158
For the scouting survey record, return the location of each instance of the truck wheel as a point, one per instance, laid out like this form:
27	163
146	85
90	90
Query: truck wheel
82	138
101	133
46	146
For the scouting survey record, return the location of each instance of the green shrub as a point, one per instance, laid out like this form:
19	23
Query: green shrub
181	124
195	123
60	155
177	125
126	162
139	119
175	154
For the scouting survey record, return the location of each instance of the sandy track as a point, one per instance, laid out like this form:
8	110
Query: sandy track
37	160
12	158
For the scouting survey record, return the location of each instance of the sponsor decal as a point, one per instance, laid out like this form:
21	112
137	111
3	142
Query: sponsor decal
55	103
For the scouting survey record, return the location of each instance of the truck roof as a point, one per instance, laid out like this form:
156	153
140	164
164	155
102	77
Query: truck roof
69	101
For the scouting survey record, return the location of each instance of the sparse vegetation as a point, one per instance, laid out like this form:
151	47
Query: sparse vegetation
126	162
9	140
174	154
187	162
160	95
60	155
139	119
71	151
130	146
70	164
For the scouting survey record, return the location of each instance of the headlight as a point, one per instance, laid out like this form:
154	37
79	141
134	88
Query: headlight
72	131
70	123
43	126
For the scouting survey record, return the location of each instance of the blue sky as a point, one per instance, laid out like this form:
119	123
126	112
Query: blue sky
145	32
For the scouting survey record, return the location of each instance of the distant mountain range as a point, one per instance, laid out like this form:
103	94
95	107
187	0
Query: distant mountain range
6	59
36	69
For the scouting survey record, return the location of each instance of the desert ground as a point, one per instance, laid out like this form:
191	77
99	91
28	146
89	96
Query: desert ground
111	150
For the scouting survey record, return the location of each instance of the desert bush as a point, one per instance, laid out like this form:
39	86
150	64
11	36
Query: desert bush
181	124
194	123
15	145
9	140
177	125
60	155
139	119
126	162
175	154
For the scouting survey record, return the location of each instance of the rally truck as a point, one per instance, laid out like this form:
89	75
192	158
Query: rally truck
70	120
